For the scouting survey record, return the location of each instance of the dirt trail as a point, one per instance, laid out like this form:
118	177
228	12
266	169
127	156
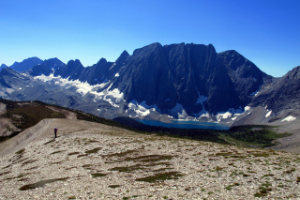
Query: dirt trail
2	108
45	130
25	137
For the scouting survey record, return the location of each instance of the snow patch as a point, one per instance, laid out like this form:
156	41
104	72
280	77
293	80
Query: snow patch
141	109
268	114
234	118
255	93
112	96
247	108
203	113
112	66
234	113
289	119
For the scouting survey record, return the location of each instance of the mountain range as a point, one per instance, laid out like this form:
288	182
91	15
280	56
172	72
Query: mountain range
177	81
25	65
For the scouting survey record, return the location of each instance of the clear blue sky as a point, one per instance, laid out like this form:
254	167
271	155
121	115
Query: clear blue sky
267	32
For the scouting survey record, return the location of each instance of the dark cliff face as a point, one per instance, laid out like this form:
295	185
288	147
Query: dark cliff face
246	77
72	70
282	93
146	77
180	73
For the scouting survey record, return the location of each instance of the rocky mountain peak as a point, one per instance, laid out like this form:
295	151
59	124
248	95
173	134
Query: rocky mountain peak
102	61
177	79
121	59
26	64
293	74
47	67
3	66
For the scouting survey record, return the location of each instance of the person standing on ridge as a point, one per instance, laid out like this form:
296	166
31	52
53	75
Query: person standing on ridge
55	132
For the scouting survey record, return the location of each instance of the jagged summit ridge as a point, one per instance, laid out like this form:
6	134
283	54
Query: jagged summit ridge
179	80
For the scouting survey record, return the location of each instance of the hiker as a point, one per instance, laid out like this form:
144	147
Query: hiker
55	131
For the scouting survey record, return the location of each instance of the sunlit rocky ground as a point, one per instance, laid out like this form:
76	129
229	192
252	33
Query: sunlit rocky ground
94	161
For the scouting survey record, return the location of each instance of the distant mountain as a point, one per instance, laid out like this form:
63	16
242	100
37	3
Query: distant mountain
46	67
26	64
3	66
281	94
177	81
9	78
193	77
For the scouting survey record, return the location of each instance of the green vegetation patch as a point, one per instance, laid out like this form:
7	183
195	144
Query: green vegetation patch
258	135
41	183
263	191
128	169
114	186
5	173
261	154
163	169
82	155
55	152
267	175
290	171
28	162
7	166
32	168
19	156
96	175
19	176
20	152
231	155
121	154
229	187
95	150
49	142
73	153
134	196
160	177
150	158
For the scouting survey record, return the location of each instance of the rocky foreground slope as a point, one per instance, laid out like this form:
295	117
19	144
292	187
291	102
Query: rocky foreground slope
94	161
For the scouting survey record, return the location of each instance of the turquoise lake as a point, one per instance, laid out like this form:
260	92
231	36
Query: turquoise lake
186	124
